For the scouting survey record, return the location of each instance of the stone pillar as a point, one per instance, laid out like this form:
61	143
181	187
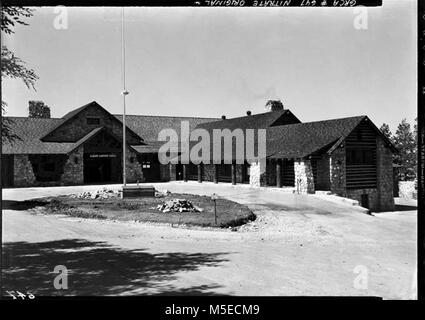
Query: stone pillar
216	173
384	172
73	170
133	168
173	172
279	173
200	173
257	173
23	175
338	172
304	180
233	172
184	172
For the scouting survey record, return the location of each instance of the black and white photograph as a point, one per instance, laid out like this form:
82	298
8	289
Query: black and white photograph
212	149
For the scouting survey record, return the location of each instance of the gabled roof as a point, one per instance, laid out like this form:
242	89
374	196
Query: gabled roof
303	139
148	127
29	130
255	121
70	115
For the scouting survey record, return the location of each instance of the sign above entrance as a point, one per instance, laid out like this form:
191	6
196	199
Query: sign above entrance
102	155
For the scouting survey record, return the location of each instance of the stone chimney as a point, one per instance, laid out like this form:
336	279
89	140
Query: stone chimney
274	105
37	109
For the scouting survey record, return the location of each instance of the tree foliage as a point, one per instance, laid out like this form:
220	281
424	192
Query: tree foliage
14	68
406	158
6	132
385	129
11	66
10	16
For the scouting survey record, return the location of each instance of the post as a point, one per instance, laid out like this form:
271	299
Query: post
233	173
124	93
215	211
200	173
278	173
184	172
215	173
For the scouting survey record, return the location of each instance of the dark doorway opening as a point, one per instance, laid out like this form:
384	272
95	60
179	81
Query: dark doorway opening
7	170
179	171
98	168
245	172
224	172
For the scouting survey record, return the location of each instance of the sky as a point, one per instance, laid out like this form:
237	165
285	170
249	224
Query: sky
209	62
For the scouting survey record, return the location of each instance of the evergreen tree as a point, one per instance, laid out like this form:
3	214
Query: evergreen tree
406	157
385	129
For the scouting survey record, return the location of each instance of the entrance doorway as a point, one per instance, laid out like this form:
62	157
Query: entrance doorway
98	168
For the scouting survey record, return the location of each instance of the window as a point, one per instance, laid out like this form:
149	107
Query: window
93	121
361	156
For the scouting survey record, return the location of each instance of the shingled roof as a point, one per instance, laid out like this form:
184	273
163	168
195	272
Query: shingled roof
31	130
148	127
256	121
303	139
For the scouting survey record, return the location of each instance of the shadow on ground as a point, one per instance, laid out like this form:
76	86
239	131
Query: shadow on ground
400	207
97	268
22	205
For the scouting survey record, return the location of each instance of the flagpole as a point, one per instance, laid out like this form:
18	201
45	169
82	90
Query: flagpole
124	93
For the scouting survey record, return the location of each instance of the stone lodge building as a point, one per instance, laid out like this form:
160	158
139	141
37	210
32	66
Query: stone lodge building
349	157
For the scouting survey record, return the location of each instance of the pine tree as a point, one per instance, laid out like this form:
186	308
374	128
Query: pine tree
406	157
385	129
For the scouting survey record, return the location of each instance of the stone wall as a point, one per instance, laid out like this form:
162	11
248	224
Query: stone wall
164	172
408	189
208	172
385	182
172	172
239	173
257	174
372	193
23	175
304	181
73	170
337	172
133	168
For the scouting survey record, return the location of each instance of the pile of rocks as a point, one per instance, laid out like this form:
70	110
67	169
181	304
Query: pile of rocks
97	194
161	194
178	205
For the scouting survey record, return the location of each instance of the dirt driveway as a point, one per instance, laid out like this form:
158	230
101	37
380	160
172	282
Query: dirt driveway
299	245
